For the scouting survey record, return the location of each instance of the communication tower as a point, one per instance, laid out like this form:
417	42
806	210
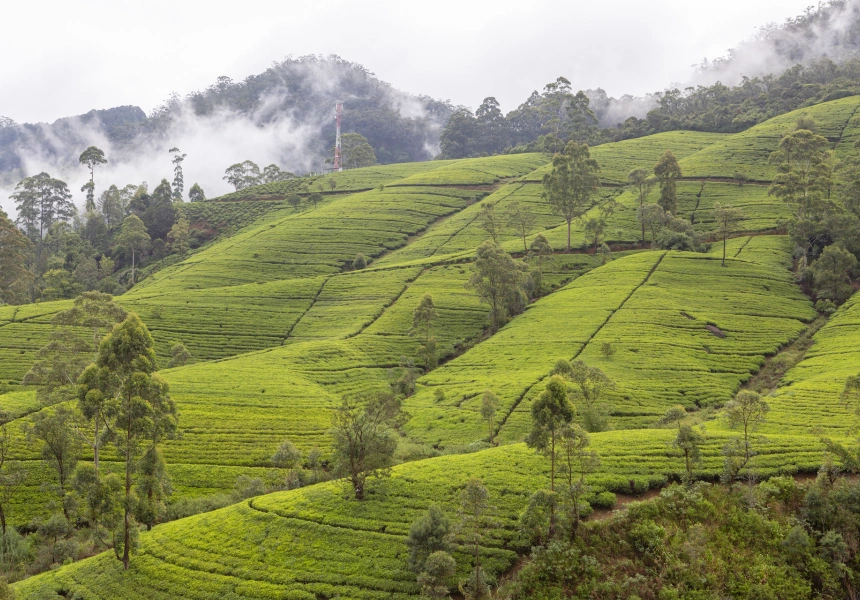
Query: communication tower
337	157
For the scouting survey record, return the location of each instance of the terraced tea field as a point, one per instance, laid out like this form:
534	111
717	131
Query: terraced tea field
648	308
281	327
808	396
619	158
748	152
312	542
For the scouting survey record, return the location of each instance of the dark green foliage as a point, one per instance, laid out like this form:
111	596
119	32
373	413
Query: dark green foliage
365	438
427	535
705	542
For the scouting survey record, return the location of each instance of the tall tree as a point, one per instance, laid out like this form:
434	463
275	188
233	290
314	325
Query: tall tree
498	280
652	216
592	384
41	201
474	506
61	361
491	126
539	249
831	273
138	403
53	428
577	461
428	534
803	181
242	175
727	218
133	237
489	221
357	151
178	180
746	412
667	170
642	183
688	441
15	253
91	158
423	318
110	206
12	474
196	194
521	219
177	238
551	412
489	406
572	183
364	432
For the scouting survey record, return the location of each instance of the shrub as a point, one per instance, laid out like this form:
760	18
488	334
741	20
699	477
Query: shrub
603	500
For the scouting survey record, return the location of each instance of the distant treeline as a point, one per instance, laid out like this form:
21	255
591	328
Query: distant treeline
546	121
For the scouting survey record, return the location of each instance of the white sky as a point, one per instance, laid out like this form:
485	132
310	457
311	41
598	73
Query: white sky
61	58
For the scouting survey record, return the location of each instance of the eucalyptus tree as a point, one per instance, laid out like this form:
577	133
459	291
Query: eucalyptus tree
572	183
91	158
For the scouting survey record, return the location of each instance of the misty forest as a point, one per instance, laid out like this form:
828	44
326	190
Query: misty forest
306	336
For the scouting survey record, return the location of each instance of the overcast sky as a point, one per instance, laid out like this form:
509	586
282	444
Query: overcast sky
63	58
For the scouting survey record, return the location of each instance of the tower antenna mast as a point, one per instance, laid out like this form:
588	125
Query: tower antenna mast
337	156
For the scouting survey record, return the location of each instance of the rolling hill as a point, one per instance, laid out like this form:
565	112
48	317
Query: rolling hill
281	327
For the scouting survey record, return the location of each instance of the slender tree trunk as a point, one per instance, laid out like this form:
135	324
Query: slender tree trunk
126	554
3	522
568	235
132	266
725	237
96	448
63	489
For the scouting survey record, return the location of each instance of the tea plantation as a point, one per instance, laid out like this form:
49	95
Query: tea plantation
280	327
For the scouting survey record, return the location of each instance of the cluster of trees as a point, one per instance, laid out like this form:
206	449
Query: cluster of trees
97	382
356	152
824	196
58	252
805	534
246	174
545	122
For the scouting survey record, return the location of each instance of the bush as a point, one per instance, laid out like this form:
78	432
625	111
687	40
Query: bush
647	537
604	500
360	262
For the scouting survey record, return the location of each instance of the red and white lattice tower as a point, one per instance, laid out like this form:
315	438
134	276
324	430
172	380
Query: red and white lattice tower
337	159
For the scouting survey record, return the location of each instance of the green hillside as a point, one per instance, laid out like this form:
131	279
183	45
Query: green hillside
281	327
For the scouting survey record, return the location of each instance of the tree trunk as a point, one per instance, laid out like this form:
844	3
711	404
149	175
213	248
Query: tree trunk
568	235
126	554
725	237
3	522
96	448
132	266
358	486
